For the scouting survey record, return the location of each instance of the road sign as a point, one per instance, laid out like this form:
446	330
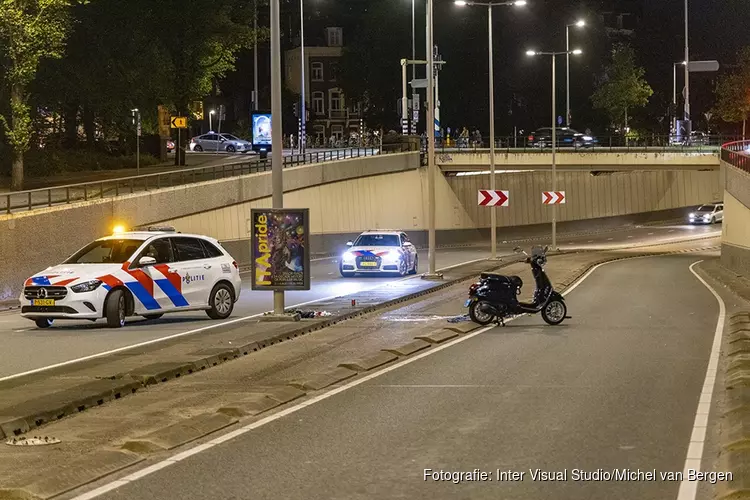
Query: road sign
488	198
703	66
419	83
553	197
179	122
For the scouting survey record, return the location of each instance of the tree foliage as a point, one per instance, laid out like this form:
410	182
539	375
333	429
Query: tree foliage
622	87
30	31
733	92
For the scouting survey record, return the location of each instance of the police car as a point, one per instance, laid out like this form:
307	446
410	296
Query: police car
140	273
380	252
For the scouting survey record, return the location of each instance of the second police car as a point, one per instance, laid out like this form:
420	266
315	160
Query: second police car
380	252
141	273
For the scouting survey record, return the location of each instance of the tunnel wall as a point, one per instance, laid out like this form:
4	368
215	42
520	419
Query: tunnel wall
341	210
735	238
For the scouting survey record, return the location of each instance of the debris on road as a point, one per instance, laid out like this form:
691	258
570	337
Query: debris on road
459	319
32	441
310	314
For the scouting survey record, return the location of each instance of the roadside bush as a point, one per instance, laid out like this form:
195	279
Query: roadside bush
46	162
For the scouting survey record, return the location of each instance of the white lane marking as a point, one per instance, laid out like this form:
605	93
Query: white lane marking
610	239
208	327
590	241
650	234
293	409
689	489
629	236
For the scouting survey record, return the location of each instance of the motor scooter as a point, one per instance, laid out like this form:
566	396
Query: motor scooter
495	296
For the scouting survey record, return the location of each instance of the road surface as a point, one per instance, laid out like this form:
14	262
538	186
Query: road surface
27	348
615	387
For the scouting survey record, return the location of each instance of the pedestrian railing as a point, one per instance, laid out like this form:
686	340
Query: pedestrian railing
15	201
736	154
524	144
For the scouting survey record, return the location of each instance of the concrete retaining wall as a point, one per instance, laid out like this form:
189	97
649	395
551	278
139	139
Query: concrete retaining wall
31	241
735	237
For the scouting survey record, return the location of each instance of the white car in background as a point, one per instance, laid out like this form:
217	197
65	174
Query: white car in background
220	142
141	273
707	214
380	252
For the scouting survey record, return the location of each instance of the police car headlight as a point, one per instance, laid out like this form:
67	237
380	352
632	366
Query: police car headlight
588	138
393	256
87	286
348	257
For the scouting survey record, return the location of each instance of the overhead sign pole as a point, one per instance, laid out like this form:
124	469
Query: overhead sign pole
277	148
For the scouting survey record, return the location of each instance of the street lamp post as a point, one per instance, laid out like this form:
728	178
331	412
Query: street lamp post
431	271
554	128
277	172
211	120
493	210
687	70
674	96
255	56
302	114
580	24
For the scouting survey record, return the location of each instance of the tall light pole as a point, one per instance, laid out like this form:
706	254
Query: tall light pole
255	57
579	24
302	112
431	174
674	96
493	210
277	172
413	45
554	128
687	70
211	120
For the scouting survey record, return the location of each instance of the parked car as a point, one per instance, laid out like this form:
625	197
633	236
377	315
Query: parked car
710	213
380	252
565	138
145	273
220	142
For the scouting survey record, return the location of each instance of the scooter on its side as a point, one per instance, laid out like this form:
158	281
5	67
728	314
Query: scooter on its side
495	296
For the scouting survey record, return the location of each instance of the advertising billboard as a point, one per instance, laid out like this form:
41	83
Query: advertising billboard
262	129
280	249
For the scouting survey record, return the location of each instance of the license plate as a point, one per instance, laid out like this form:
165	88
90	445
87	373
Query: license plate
466	304
368	264
43	302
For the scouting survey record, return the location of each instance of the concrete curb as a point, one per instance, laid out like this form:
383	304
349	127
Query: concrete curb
172	436
66	477
368	363
735	433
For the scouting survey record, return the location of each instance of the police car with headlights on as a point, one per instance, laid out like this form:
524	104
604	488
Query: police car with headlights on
707	214
380	252
140	273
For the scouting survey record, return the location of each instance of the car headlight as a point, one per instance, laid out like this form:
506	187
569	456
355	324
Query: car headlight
348	257
393	255
691	215
87	286
587	138
707	216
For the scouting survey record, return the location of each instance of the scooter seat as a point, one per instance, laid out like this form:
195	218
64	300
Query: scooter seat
501	278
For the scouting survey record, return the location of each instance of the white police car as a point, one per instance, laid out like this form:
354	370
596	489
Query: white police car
145	273
380	252
707	214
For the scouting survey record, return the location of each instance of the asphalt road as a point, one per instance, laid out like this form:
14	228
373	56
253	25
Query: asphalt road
25	348
616	386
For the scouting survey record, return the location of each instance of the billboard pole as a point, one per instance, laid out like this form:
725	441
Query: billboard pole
277	172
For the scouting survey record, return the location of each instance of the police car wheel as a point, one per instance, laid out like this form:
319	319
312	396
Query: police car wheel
153	316
221	302
415	269
230	149
115	309
197	148
43	322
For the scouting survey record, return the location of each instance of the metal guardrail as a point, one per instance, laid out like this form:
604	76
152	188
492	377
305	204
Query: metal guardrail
15	201
522	144
736	154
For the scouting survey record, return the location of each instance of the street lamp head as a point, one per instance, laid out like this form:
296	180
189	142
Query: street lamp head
577	52
212	111
530	52
519	3
460	3
580	23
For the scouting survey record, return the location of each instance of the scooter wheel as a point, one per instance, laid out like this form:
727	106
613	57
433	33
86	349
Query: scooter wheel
478	316
554	312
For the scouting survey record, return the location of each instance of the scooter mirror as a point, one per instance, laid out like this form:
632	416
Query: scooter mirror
546	248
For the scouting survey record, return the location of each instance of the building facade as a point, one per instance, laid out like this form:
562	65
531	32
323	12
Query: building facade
330	114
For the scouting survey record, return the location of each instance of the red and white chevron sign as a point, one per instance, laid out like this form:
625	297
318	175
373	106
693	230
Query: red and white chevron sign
553	197
489	198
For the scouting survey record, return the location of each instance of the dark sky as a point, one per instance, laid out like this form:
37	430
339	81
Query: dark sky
718	28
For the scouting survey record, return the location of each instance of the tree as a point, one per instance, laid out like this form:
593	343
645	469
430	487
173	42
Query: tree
733	93
30	31
622	87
